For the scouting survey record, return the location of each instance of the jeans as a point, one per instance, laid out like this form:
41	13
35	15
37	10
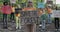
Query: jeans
12	16
49	18
5	21
30	27
56	23
43	24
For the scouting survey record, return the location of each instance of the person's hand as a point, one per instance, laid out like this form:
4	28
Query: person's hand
40	12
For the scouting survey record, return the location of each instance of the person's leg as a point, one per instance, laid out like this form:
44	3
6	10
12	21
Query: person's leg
4	20
57	23
43	24
33	28
19	23
13	16
49	18
16	22
27	27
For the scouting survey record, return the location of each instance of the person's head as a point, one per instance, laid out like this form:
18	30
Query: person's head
30	4
12	5
40	9
48	7
5	3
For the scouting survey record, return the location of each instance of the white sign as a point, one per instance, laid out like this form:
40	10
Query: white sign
57	1
41	5
12	1
49	0
56	13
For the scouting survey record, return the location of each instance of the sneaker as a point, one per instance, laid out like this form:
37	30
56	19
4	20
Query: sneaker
10	28
17	28
5	28
40	25
13	21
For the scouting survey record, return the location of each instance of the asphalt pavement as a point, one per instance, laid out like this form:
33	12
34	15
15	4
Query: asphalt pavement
11	28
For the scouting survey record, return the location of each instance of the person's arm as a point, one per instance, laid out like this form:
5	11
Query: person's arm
0	9
34	8
23	9
11	9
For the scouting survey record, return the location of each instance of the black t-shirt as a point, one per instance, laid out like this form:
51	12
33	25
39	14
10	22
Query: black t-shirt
18	10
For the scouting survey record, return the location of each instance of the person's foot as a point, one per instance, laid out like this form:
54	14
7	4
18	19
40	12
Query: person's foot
17	28
10	28
5	28
13	21
43	30
40	25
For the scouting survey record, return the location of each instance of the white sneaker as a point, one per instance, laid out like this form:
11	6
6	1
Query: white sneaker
16	27
40	25
20	27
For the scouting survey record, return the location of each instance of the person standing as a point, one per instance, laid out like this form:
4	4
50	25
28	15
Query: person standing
30	27
12	14
18	20
29	7
49	10
43	18
6	9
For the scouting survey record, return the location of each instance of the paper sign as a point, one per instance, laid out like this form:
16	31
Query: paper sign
12	1
41	5
56	13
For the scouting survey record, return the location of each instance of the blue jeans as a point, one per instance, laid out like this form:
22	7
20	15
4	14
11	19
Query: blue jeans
49	18
5	21
43	24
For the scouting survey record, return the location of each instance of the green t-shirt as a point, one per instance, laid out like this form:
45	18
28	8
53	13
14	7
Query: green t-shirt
44	17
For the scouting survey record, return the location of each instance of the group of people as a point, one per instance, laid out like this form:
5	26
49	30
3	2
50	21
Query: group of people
7	9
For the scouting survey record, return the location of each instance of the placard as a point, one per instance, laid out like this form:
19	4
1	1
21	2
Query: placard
56	13
41	5
12	1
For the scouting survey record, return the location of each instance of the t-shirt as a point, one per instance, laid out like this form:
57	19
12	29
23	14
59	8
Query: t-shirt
6	9
43	16
13	9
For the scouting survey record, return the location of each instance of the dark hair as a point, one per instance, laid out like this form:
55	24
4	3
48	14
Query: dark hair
29	4
5	3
